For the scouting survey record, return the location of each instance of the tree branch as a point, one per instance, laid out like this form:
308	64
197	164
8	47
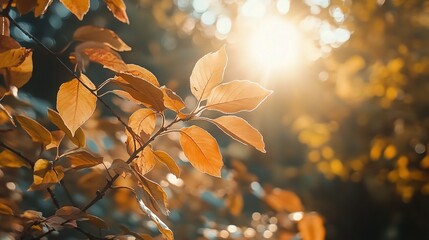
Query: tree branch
2	144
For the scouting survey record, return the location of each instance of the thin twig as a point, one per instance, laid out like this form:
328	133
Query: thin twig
17	153
67	192
54	198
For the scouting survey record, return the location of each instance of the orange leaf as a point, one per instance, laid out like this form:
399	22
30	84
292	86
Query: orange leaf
80	159
142	72
119	167
142	120
235	203
208	73
99	53
75	103
45	175
202	150
282	200
172	100
101	35
25	6
145	162
311	227
168	161
142	90
78	139
57	137
69	213
5	209
118	8
19	75
13	57
10	159
162	227
236	96
78	7
37	132
240	130
158	197
125	95
42	6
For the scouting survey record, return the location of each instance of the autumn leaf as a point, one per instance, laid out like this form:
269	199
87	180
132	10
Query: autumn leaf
208	73
172	100
69	213
168	161
101	35
94	220
158	197
13	57
78	7
145	162
142	72
5	209
236	96
80	159
45	174
75	103
311	227
57	137
42	6
202	150
4	28
37	132
25	6
19	75
126	96
118	8
10	159
282	200
79	137
235	203
142	90
142	120
119	167
162	227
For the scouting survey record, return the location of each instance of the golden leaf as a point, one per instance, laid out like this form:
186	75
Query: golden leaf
45	175
79	137
10	159
5	209
57	137
42	6
82	159
126	96
202	150
240	130
75	103
158	197
208	73
119	167
19	75
145	162
118	8
101	35
282	200
311	227
142	120
13	57
168	161
37	132
78	7
142	72
172	100
99	53
236	96
162	227
235	203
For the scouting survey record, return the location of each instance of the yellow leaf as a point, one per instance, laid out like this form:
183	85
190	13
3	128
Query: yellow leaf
142	120
78	7
168	161
82	159
240	130
13	57
42	6
37	132
159	200
57	137
208	73
236	96
282	200
145	162
172	100
25	6
202	150
5	209
311	227
10	159
118	8
102	35
142	90
75	103
162	227
142	72
79	137
19	75
119	167
45	175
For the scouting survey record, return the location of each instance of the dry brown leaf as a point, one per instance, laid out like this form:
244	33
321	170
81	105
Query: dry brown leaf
311	227
37	132
172	100
75	103
168	161
25	6
100	53
19	75
69	213
42	6
208	73
78	7
5	209
13	57
237	96
96	221
202	150
240	130
145	162
10	159
282	200
80	159
118	8
79	137
4	27
101	35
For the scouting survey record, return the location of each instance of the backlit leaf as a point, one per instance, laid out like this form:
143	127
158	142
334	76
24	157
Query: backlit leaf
282	200
119	167
118	8
69	213
240	130
172	100
75	103
208	73
202	150
311	227
37	132
13	57
82	159
142	72
145	162
45	175
42	6
158	197
79	137
102	35
162	227
142	90
168	161
78	7
57	137
99	53
125	95
5	209
142	120
10	159
19	75
236	96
